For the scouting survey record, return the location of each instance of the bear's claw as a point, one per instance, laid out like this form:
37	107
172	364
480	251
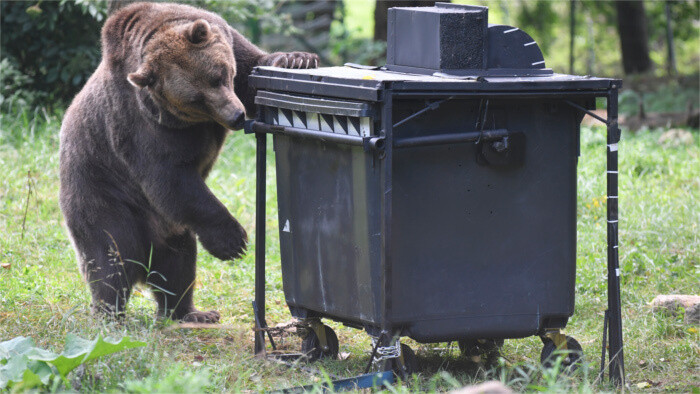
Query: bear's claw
226	241
290	60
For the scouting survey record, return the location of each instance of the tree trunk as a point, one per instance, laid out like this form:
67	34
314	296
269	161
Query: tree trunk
381	11
671	65
634	37
572	33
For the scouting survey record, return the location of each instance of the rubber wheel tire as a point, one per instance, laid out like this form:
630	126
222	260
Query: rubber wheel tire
410	363
311	346
573	355
479	347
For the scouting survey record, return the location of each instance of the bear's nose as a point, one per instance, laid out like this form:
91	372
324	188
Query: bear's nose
236	121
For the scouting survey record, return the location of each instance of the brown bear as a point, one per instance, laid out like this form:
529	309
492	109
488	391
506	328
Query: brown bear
137	144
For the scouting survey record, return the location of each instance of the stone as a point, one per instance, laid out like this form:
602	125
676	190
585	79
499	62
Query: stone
671	302
692	315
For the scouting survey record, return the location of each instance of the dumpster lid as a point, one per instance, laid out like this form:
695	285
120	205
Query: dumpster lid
366	84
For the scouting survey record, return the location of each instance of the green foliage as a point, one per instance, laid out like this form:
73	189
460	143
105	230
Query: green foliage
17	89
55	44
685	15
24	366
541	18
672	96
597	44
252	18
348	45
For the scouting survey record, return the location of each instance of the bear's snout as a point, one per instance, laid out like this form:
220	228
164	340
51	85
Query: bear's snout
235	121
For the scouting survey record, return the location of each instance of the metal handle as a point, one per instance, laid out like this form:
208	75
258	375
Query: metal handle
441	139
369	143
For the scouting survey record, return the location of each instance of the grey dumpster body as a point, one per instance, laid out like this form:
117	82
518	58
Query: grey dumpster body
432	199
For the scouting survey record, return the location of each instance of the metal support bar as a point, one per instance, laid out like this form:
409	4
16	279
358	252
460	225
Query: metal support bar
571	103
260	184
379	380
260	326
432	106
371	143
604	347
440	139
521	94
617	370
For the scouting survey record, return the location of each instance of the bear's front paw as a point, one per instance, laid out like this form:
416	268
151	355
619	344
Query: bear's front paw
225	242
290	60
201	317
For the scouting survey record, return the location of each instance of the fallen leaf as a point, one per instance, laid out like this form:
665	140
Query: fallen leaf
643	385
6	265
642	363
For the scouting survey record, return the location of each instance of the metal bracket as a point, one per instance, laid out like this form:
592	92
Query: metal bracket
558	337
320	331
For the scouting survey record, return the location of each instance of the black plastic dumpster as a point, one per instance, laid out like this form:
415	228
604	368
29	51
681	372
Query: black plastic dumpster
435	197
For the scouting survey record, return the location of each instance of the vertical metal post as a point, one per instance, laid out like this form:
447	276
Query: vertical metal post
260	185
387	258
617	372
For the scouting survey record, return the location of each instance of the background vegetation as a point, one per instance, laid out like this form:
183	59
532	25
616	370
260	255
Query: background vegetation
49	48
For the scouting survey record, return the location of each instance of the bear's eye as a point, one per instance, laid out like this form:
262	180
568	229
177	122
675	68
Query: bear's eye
220	80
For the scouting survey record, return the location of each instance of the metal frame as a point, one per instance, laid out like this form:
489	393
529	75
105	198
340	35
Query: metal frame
613	322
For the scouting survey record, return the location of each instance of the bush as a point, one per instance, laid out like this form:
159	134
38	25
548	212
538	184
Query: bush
17	92
52	47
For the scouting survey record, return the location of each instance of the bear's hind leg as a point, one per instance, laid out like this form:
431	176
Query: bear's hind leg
172	279
107	263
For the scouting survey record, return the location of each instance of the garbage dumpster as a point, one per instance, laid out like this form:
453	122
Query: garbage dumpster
435	197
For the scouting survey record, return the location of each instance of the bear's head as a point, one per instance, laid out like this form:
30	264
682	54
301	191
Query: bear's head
188	71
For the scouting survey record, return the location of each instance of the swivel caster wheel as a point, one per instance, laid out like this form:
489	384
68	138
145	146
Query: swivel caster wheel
409	365
571	356
312	345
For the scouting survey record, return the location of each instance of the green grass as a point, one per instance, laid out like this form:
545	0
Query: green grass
43	296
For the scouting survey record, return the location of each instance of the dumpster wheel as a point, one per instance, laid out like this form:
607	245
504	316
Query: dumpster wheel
572	353
313	348
478	347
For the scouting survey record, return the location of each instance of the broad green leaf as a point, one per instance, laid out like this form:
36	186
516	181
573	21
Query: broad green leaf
30	367
79	351
40	354
30	380
42	370
17	345
13	370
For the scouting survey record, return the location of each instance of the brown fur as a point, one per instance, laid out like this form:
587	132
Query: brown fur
137	143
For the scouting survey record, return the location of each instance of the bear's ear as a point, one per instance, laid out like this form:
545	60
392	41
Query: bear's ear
199	32
143	77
